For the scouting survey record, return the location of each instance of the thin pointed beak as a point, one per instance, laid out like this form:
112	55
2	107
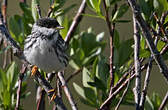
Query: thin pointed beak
59	27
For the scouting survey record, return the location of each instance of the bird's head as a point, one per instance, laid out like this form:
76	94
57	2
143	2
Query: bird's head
49	23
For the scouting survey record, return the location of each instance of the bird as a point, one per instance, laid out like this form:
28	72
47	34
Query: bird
44	47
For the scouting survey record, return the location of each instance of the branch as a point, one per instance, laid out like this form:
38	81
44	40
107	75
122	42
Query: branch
124	93
4	14
40	94
111	28
21	75
67	92
164	102
40	98
123	81
76	21
157	57
146	83
73	74
108	100
39	10
137	88
4	11
46	85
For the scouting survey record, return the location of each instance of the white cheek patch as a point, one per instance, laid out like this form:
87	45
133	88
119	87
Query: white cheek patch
43	30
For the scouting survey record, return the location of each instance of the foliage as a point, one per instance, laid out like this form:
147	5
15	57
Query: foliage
153	102
8	87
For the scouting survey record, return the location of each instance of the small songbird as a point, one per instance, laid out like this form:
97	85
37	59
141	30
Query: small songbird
45	47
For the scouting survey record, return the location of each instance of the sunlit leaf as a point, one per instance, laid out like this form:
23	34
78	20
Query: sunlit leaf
79	90
34	9
86	77
120	12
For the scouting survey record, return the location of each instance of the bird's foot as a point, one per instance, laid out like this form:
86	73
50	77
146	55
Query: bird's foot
34	70
54	94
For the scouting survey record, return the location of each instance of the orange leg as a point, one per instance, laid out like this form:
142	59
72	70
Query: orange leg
34	70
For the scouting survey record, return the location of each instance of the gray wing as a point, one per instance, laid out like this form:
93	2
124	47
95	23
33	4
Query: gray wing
60	48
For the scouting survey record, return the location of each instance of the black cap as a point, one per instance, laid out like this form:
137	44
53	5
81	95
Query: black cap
47	22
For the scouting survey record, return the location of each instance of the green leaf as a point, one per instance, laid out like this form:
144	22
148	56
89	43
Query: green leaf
74	65
12	73
160	45
3	78
148	104
79	90
142	42
100	37
15	25
107	3
34	9
89	38
87	94
144	53
120	12
7	99
95	5
94	67
86	77
98	84
116	39
90	95
125	51
65	24
102	71
146	9
160	6
25	8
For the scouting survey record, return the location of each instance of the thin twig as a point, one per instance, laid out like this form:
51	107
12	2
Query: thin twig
40	94
50	9
21	75
111	28
137	88
40	98
67	92
157	57
73	74
122	97
164	102
39	10
4	11
47	87
147	78
120	86
146	83
163	17
159	24
76	21
4	14
108	100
